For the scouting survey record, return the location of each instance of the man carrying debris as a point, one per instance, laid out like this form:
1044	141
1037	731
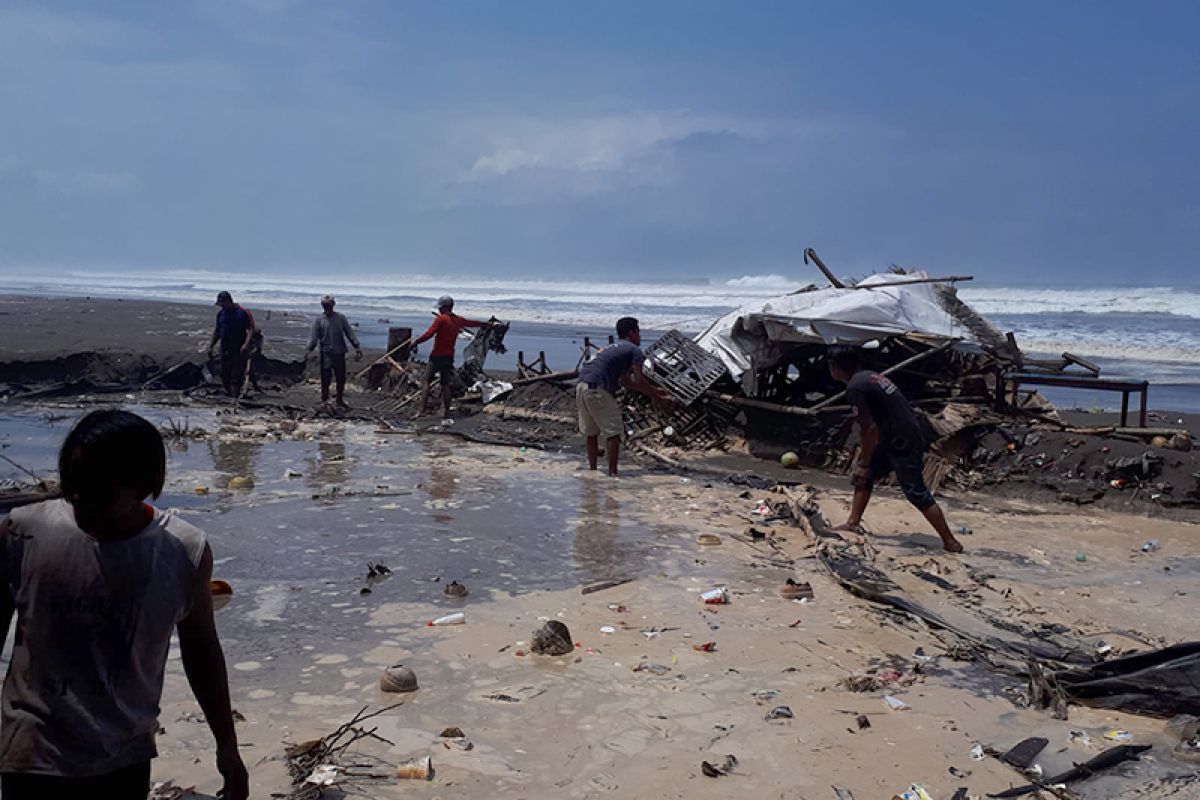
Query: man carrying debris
235	331
330	331
595	395
99	581
890	440
444	332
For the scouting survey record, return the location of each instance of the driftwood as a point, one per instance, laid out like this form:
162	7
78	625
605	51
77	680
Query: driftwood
385	357
810	253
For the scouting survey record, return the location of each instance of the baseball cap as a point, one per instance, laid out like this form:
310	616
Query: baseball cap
328	300
445	300
223	297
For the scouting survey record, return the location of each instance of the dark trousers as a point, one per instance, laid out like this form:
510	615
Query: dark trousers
233	371
129	783
333	367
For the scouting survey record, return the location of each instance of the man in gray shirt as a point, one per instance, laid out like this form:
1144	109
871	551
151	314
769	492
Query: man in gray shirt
330	331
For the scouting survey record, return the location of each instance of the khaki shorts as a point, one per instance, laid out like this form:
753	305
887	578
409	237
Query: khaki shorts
599	414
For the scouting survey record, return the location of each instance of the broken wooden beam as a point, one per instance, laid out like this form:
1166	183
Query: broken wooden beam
943	347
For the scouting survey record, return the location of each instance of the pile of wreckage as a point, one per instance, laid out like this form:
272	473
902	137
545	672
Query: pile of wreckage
759	373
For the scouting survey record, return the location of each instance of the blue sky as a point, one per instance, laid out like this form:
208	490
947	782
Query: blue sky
1026	142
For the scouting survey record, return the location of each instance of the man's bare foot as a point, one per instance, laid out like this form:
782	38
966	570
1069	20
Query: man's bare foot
952	546
850	527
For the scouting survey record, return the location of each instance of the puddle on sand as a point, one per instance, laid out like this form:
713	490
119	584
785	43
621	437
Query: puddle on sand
296	547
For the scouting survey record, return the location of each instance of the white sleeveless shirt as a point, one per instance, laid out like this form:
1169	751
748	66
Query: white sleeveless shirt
93	625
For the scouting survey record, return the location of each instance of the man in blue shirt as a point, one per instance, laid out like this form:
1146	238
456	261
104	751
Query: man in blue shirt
614	366
235	331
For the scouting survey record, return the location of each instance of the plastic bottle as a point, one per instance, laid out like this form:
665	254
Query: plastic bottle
457	618
715	597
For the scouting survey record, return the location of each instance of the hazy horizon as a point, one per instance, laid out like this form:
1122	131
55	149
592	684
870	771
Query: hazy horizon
1026	144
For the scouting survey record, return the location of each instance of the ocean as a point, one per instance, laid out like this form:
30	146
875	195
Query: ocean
1150	333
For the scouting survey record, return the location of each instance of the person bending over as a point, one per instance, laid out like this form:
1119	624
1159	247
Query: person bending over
890	441
617	365
98	582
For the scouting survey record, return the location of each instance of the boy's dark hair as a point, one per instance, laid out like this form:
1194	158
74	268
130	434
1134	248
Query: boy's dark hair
626	326
111	448
845	357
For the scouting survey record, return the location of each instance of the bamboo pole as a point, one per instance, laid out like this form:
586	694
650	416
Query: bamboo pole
943	347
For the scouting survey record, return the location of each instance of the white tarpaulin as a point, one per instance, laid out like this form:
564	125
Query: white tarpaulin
752	336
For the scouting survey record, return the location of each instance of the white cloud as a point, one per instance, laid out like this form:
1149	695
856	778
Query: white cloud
595	144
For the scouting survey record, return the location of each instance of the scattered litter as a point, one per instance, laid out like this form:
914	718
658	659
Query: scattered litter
895	703
763	695
419	769
707	647
712	771
789	460
977	753
1109	758
167	790
377	571
607	629
457	618
963	530
293	473
1024	752
1081	557
715	597
241	482
915	791
398	678
552	639
863	722
780	712
620	609
653	669
324	775
796	591
1150	546
1103	648
454	589
453	732
600	587
708	539
1118	736
1080	737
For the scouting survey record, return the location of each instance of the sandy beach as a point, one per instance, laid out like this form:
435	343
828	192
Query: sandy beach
636	708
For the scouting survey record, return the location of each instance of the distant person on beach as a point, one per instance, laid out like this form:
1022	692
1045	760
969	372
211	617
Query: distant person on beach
617	365
890	440
331	330
235	332
98	581
444	332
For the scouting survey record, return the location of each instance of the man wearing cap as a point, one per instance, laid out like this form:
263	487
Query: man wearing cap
330	331
444	332
235	331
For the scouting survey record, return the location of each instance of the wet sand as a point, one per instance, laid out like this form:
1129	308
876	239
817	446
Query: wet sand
525	529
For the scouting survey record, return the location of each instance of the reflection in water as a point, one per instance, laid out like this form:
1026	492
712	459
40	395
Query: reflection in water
233	457
329	466
597	553
441	487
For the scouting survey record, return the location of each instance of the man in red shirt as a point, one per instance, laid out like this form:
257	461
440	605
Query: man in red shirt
444	332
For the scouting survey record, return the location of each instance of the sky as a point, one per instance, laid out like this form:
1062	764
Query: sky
1022	142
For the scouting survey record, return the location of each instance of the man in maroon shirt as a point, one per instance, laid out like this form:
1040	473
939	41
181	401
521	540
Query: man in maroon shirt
444	332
